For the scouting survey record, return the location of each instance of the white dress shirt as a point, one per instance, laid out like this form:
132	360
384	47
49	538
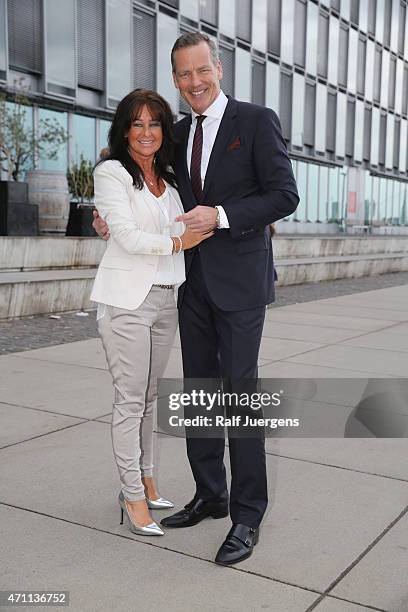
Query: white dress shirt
211	124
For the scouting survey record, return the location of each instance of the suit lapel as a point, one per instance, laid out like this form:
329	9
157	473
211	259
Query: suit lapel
223	137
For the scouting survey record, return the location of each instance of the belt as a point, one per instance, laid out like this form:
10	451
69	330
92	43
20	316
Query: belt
164	286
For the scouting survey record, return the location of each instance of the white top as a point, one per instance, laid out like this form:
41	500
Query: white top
211	124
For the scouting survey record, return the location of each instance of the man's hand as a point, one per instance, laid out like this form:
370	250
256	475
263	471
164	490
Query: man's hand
100	227
200	219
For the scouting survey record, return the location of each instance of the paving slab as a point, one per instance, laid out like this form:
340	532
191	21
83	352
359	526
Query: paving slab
289	369
316	512
352	310
277	348
307	333
325	320
382	456
104	572
393	363
397	339
85	353
380	578
66	389
18	424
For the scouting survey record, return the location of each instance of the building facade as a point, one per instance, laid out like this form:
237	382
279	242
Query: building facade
336	72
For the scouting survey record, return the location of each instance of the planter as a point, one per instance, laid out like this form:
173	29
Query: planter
80	220
17	216
49	190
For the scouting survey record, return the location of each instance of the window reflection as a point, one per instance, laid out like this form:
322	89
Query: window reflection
333	204
312	192
301	178
84	138
60	163
323	205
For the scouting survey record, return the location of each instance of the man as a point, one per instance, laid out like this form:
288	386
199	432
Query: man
234	175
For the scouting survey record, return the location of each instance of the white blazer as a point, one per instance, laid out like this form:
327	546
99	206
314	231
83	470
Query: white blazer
128	267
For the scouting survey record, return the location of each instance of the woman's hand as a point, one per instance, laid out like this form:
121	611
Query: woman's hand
190	239
100	226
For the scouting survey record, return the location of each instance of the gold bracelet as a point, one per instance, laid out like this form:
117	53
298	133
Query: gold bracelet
180	244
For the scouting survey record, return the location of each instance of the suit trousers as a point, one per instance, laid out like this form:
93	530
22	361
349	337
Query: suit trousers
219	344
137	344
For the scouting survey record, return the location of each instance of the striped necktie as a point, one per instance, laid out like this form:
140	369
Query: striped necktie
195	166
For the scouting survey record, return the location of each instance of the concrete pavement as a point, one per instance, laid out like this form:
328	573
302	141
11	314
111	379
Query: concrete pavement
334	539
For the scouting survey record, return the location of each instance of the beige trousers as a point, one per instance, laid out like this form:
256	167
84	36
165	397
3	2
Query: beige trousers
137	344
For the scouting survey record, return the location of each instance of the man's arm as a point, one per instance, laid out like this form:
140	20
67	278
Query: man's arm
277	196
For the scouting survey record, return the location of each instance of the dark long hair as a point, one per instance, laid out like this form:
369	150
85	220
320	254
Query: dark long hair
127	111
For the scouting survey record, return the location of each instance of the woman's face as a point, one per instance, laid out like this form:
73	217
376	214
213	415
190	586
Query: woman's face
145	136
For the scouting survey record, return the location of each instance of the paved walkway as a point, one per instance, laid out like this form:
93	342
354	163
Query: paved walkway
335	537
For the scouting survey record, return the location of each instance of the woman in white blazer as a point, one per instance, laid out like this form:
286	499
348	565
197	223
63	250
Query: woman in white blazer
136	286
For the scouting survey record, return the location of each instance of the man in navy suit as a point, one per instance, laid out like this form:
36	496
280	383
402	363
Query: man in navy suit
234	176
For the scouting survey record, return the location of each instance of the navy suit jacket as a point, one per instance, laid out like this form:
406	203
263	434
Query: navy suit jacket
250	175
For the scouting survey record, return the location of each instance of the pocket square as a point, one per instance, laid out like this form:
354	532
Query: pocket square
234	145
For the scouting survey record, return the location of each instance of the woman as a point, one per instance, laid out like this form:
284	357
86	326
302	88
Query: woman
136	286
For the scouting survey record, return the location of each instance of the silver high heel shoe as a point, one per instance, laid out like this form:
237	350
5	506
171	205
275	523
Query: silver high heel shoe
150	530
159	504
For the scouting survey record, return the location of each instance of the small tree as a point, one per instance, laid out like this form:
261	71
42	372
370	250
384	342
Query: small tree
19	144
80	180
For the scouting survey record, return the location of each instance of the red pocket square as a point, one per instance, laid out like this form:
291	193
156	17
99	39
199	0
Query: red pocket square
234	145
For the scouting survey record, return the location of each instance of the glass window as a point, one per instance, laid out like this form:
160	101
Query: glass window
27	120
190	10
372	10
24	34
377	74
367	134
323	46
335	4
209	11
383	201
118	49
368	194
363	15
310	114
398	86
333	50
403	209
83	138
288	20
361	66
397	133
226	16
244	19
144	50
313	193
403	146
354	8
272	85
387	22
3	38
61	162
312	34
298	116
343	56
300	33
375	201
167	30
243	68
258	83
369	70
323	210
60	47
389	147
274	26
391	87
359	131
334	199
340	123
227	57
104	127
385	71
401	27
352	64
405	90
321	113
301	181
259	19
375	136
350	127
91	43
379	21
331	122
285	104
383	133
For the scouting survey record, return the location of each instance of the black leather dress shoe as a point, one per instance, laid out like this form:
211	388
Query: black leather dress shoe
238	545
196	511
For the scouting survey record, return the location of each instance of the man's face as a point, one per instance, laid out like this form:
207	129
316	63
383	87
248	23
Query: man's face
196	77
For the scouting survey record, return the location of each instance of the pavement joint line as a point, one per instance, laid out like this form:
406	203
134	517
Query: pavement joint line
357	603
65	363
353	564
286	361
42	435
333	327
45	410
358	316
146	543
